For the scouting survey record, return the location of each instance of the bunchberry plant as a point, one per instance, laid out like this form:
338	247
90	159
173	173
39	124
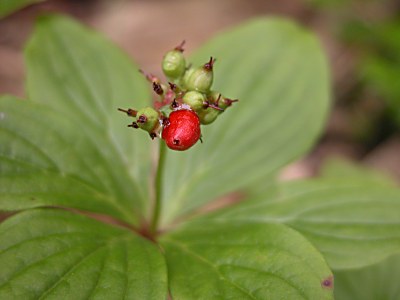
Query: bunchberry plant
94	214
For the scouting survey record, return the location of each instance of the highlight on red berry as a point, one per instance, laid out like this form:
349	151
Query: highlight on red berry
183	104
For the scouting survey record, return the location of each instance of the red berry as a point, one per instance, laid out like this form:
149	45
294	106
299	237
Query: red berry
182	130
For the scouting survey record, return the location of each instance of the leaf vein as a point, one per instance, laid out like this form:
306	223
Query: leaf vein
216	270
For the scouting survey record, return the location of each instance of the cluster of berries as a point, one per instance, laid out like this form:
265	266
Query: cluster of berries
183	105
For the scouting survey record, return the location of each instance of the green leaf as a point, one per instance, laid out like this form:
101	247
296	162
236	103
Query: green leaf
56	254
71	131
226	260
40	163
280	75
353	224
9	6
379	281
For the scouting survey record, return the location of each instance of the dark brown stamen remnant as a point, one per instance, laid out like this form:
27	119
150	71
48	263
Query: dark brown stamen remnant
207	104
165	122
142	119
229	102
219	98
174	104
134	125
209	66
129	112
176	142
180	46
173	86
157	88
153	135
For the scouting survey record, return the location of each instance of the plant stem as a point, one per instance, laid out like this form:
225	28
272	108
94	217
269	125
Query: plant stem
158	187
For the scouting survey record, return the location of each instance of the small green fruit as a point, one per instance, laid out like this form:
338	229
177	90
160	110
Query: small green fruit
195	100
147	119
208	115
186	77
174	64
200	79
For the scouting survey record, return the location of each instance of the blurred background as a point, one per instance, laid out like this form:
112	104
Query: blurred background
361	39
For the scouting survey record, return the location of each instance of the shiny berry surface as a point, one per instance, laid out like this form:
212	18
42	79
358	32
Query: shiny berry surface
182	130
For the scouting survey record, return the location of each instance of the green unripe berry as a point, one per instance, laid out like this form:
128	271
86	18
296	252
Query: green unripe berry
186	76
208	115
195	100
200	79
147	119
174	64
